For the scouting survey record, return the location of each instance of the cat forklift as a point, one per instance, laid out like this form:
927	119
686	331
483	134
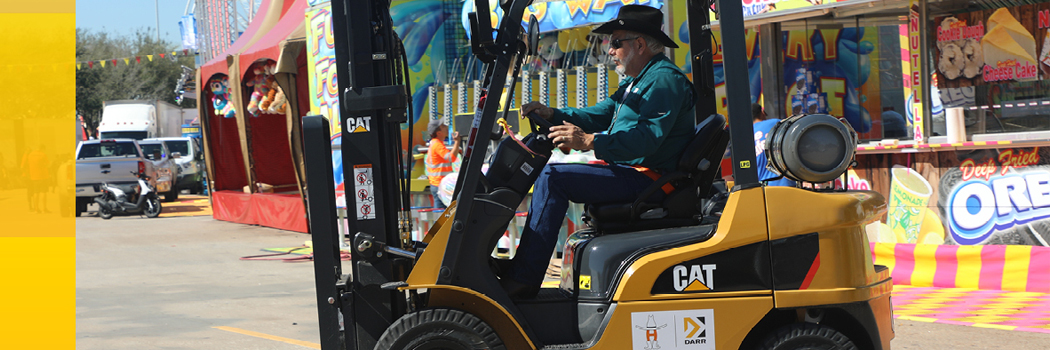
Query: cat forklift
706	267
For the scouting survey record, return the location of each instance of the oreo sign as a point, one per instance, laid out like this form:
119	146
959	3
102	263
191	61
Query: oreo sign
978	207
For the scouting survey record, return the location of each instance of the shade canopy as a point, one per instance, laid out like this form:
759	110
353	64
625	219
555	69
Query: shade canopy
291	25
270	12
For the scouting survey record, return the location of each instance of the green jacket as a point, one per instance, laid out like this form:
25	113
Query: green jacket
651	125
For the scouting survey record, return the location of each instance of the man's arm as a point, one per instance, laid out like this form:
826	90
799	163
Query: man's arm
455	147
591	119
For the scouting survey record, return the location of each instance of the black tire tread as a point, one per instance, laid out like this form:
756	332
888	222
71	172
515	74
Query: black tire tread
415	324
801	335
145	209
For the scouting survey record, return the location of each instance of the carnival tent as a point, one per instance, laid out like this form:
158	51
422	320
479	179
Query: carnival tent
271	194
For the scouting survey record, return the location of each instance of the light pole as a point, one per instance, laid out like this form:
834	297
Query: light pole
156	6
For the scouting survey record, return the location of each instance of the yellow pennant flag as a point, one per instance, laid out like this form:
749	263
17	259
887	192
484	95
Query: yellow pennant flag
150	57
127	62
173	53
103	62
78	66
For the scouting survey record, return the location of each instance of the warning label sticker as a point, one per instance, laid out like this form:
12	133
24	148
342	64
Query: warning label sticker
365	197
680	329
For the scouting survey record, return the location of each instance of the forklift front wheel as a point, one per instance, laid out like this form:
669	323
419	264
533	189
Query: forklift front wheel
439	329
807	336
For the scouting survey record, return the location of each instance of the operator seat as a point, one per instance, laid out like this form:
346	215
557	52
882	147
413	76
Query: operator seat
692	180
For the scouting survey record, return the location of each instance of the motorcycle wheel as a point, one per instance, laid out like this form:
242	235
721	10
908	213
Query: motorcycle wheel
152	208
104	212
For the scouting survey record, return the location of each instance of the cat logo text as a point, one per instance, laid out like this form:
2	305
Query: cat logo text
358	124
694	278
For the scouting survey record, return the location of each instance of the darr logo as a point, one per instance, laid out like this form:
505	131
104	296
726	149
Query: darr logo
695	330
358	124
695	278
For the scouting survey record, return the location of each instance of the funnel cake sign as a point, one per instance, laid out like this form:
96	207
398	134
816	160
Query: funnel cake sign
993	46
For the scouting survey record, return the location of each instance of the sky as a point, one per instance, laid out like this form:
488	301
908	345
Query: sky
123	17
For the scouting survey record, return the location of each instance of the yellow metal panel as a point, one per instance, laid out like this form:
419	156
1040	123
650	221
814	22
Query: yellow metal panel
744	216
842	259
839	218
428	266
733	320
794	211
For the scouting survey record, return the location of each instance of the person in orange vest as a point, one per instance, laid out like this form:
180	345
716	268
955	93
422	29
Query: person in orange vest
439	158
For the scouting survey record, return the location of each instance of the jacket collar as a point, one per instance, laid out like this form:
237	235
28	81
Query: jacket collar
657	59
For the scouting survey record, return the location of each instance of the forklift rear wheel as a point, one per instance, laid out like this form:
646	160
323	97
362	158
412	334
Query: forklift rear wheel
439	329
807	336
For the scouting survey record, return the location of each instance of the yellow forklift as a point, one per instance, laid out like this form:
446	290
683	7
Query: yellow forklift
707	267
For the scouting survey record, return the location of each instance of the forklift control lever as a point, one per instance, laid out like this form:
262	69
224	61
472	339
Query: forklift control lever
372	249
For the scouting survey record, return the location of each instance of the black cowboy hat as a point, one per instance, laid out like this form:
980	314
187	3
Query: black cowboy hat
641	19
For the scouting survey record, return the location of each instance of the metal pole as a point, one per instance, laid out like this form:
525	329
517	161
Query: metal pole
156	6
738	95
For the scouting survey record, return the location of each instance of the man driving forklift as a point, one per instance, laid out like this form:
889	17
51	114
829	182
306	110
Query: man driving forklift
640	131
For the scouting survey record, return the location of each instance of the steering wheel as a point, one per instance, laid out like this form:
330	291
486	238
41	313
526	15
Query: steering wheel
539	125
541	128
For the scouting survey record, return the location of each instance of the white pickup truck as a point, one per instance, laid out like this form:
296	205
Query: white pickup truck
114	162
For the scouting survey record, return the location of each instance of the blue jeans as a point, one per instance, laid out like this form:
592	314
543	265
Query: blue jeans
437	201
555	187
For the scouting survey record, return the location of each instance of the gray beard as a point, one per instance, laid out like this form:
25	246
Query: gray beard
621	67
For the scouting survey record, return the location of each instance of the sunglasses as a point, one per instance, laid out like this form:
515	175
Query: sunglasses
618	43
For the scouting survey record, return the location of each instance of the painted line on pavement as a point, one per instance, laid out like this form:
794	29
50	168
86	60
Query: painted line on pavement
269	337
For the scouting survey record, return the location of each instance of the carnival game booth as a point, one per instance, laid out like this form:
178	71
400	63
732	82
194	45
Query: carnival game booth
228	135
273	196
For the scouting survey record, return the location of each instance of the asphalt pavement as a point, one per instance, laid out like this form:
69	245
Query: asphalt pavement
180	283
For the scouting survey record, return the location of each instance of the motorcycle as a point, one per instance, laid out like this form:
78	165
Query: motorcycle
113	200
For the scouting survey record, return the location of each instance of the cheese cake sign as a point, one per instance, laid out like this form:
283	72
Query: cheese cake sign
993	46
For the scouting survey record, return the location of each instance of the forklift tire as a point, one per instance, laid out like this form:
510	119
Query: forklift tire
807	336
439	329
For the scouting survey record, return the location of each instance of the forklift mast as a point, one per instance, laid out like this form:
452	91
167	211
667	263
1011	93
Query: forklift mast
355	309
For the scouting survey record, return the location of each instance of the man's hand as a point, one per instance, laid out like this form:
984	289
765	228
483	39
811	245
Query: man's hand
543	111
569	137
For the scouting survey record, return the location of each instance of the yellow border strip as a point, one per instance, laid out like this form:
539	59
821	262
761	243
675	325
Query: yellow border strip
270	337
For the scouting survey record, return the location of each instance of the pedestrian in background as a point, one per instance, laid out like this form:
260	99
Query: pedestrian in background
35	168
762	127
439	158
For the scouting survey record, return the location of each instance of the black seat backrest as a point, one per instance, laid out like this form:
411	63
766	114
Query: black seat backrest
692	179
700	160
706	138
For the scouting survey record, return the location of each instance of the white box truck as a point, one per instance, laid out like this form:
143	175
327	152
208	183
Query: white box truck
140	119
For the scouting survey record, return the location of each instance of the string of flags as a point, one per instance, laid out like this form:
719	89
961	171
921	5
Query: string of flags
128	60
